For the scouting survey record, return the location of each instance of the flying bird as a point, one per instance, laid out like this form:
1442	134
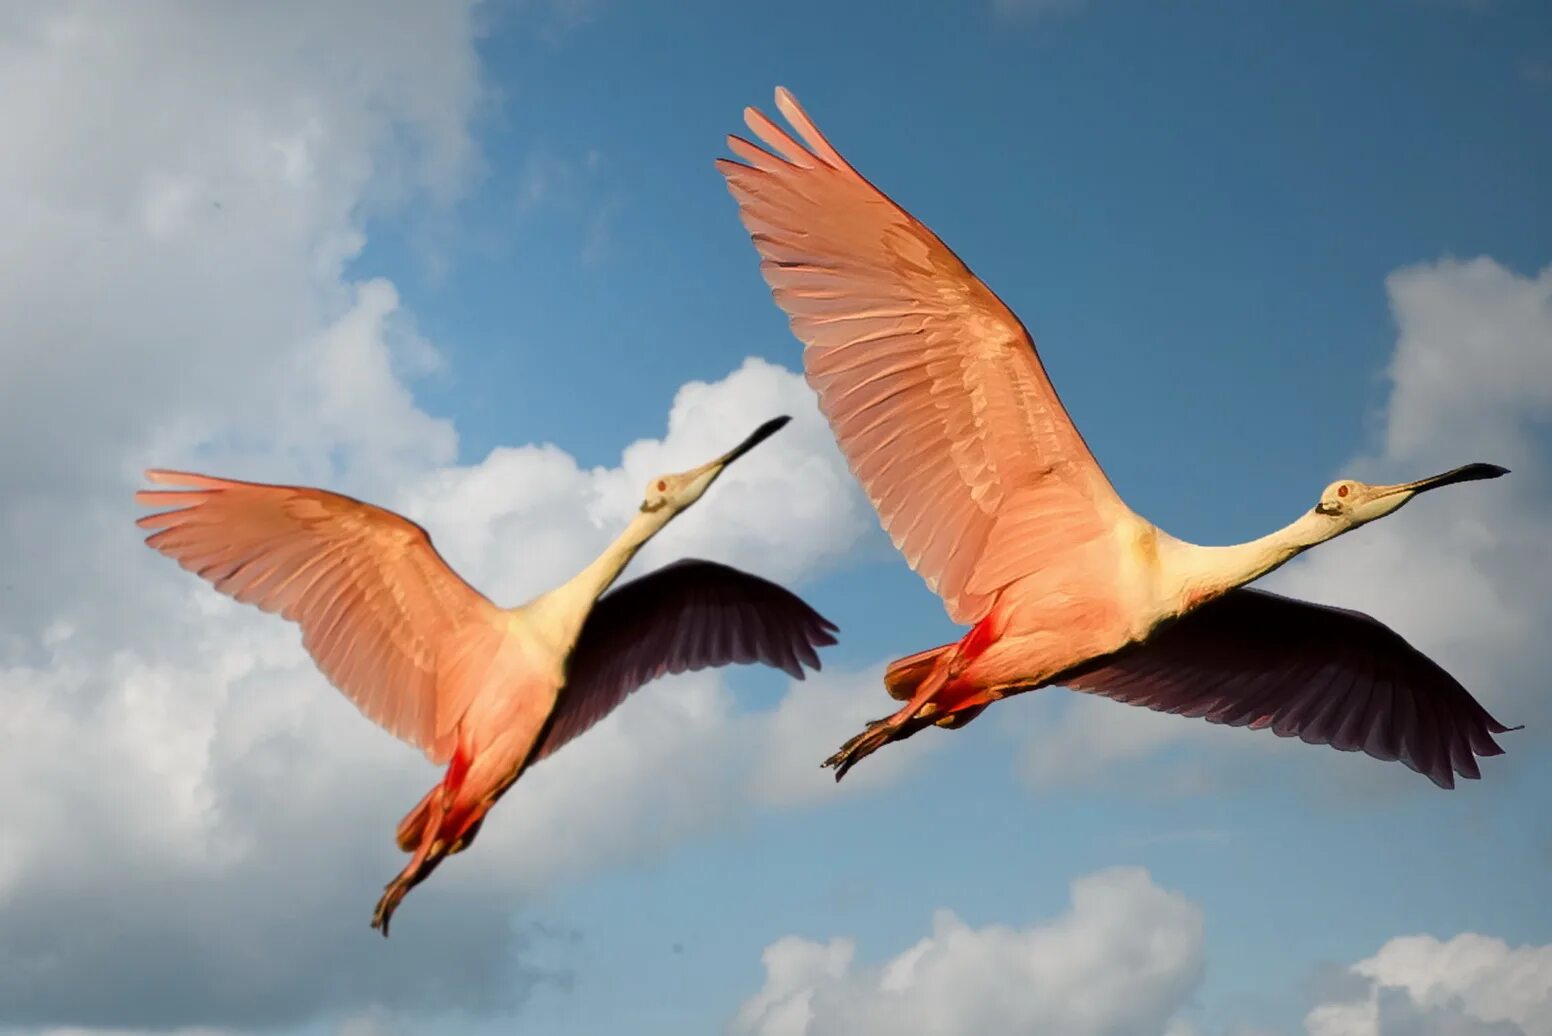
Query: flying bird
488	691
940	403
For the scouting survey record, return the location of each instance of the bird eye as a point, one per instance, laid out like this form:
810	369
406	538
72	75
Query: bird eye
662	486
1341	490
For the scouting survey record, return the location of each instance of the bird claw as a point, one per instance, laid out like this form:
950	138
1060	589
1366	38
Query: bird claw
875	735
393	893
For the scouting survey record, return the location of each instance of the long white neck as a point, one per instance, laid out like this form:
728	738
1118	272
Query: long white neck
592	581
1206	572
567	605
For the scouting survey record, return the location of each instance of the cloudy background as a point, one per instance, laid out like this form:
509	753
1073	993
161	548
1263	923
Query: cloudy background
471	261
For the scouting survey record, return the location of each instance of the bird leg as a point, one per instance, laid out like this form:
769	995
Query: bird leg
445	835
432	851
879	732
441	824
464	840
902	724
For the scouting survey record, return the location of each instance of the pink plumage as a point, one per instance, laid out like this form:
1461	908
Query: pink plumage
489	691
947	418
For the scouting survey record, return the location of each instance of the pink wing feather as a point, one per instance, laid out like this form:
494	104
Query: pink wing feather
385	618
1326	675
932	386
689	615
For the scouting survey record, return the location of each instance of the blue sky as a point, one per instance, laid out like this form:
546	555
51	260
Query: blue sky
1220	212
1199	210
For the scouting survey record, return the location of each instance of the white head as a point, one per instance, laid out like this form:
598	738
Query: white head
1349	503
671	494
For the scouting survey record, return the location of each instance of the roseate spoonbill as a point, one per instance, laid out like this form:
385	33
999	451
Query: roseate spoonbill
941	405
489	691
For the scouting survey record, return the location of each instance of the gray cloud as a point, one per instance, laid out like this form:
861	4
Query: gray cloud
192	817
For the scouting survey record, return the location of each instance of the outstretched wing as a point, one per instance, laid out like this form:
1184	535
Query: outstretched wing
689	615
1326	675
386	620
931	385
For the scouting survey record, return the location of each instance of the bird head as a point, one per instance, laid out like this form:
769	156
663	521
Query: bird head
1352	503
678	492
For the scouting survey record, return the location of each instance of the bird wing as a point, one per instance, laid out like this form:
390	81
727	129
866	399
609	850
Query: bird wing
385	618
1328	675
932	386
685	616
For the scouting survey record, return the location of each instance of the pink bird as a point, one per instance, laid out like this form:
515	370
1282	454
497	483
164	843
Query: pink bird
489	691
946	416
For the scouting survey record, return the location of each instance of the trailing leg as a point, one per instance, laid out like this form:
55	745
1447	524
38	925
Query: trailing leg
892	728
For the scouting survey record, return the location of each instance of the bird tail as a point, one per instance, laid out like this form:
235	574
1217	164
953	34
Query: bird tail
905	675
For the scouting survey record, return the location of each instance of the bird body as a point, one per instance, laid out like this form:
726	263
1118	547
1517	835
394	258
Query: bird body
488	691
1102	598
946	416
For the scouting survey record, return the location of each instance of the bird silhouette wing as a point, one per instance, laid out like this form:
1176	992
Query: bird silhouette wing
1326	675
930	383
385	618
689	615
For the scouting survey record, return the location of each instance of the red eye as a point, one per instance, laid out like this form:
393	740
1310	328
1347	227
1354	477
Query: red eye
662	486
1341	490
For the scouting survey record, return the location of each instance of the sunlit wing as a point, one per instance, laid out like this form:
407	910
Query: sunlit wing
931	385
688	615
1324	675
386	620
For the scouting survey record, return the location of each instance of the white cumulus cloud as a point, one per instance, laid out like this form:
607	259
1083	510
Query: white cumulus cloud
822	713
193	818
1471	985
1122	960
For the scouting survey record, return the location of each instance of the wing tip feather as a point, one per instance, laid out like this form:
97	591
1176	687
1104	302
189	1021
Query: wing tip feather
175	477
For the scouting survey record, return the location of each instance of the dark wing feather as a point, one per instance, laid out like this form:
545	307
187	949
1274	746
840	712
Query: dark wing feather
1325	675
689	615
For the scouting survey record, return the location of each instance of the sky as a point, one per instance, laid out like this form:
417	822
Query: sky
472	261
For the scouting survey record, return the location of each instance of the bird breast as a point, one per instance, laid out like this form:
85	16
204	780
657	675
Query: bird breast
1142	590
538	636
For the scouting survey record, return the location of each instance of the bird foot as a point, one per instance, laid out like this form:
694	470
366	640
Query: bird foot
393	894
874	736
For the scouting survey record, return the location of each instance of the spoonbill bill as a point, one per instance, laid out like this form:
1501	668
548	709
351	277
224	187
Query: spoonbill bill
943	410
489	691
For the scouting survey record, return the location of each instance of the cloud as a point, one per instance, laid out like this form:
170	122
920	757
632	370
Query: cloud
1471	985
787	509
1461	574
1123	959
1128	957
372	1023
192	817
210	797
183	187
813	719
676	760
